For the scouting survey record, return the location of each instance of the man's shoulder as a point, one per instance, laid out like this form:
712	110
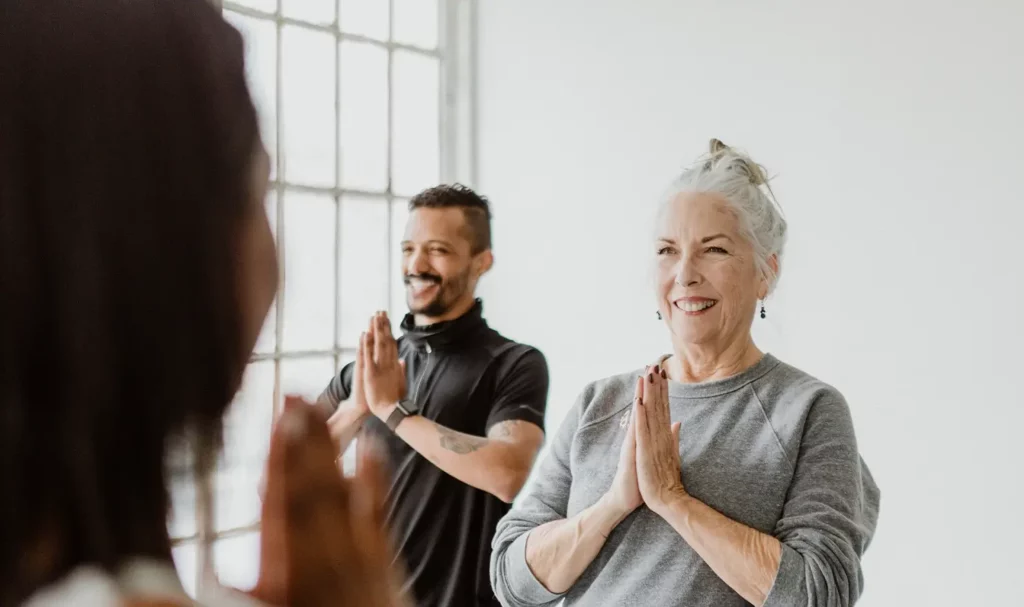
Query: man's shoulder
509	352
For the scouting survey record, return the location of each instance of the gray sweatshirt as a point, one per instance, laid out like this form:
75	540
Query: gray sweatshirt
772	448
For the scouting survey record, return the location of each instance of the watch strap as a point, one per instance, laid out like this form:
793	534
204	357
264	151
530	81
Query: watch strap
398	415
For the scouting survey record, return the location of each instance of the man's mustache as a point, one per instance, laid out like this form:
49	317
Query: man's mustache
424	277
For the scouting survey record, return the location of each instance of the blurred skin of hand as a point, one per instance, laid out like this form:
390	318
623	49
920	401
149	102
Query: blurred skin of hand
323	541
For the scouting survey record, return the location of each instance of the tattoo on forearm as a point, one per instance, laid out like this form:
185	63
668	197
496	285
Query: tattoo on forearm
456	442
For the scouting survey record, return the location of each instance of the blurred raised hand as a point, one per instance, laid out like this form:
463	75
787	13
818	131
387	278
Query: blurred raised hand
323	539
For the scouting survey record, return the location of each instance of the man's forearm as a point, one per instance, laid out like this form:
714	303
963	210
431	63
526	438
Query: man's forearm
558	552
345	423
746	559
494	466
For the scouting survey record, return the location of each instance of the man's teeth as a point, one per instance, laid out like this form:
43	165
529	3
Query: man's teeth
421	284
694	306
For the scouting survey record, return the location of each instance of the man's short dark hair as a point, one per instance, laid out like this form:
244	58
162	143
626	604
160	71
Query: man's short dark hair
475	208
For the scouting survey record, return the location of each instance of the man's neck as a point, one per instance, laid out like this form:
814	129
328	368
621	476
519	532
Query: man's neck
456	311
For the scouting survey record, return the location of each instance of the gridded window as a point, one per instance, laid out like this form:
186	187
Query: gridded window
357	102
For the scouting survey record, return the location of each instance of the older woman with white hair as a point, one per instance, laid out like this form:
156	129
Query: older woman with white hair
718	475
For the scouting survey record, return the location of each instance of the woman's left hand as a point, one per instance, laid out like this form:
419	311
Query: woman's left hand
657	443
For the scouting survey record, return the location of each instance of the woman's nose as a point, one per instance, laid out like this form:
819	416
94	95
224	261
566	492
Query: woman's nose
687	274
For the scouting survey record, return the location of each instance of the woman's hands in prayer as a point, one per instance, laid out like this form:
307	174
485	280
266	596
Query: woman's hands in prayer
624	495
659	476
649	468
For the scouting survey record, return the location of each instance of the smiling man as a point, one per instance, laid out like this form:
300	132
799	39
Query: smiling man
462	430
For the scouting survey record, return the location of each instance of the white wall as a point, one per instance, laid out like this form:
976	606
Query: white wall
895	129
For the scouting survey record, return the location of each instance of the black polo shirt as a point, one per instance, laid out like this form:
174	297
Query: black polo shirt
467	377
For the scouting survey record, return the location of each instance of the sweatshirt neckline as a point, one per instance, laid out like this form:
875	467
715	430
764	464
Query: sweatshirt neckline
718	387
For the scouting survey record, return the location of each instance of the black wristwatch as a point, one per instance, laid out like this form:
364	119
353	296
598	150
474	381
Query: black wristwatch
404	409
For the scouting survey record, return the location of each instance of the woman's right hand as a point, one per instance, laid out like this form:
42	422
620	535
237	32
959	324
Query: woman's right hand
323	541
624	494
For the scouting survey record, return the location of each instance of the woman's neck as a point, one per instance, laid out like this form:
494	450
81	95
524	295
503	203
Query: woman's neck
693	364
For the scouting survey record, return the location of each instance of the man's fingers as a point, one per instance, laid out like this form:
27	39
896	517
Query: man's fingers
366	352
380	354
357	375
390	348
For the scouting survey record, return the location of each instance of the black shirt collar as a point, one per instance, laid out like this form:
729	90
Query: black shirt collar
447	333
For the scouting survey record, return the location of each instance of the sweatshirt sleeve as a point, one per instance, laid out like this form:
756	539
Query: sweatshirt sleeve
545	500
829	517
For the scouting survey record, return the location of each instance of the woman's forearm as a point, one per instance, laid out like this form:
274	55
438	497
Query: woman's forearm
745	558
558	552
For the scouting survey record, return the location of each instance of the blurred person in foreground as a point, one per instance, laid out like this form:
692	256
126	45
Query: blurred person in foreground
458	406
718	475
136	269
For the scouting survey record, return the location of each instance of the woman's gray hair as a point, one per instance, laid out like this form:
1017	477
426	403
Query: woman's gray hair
743	184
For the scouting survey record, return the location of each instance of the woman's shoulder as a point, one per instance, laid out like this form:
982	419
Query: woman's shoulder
789	394
795	385
86	586
607	396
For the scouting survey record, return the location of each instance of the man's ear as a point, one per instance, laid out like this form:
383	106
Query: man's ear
483	262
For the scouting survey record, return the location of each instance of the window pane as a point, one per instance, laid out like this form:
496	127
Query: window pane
237	561
184	556
365	18
265	343
309	228
246	442
261	71
363	265
364	116
415	152
182	521
313	11
306	377
416	22
267	6
308	59
399	306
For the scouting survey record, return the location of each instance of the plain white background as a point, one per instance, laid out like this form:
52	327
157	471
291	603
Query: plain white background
895	132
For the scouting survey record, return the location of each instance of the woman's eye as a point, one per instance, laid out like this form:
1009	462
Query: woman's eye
718	250
665	251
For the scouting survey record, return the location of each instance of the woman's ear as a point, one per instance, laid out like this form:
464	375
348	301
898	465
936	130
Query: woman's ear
768	278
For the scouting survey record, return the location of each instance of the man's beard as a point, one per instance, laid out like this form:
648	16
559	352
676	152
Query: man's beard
448	292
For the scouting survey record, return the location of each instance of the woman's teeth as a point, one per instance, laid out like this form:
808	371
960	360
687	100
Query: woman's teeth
695	306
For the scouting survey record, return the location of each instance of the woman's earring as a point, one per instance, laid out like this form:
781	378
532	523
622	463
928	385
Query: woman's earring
659	314
762	310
